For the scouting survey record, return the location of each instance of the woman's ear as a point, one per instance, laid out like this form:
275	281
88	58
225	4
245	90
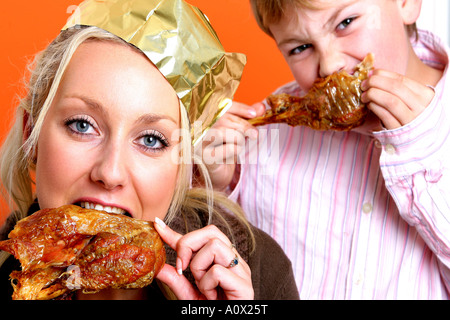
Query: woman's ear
409	10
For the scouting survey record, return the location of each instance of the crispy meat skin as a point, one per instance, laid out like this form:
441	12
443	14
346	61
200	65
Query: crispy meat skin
332	103
71	248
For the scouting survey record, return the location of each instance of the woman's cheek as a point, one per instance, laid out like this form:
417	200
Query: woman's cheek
57	168
157	190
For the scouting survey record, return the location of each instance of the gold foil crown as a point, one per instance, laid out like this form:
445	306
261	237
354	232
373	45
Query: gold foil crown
179	40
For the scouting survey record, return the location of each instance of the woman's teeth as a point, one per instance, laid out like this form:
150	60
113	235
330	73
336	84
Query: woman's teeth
89	205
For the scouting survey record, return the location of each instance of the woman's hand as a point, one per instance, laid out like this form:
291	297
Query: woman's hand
209	253
225	141
395	99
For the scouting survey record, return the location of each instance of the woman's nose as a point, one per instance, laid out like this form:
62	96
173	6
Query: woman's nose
109	170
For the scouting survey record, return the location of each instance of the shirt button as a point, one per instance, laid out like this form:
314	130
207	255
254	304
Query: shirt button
378	144
367	207
390	149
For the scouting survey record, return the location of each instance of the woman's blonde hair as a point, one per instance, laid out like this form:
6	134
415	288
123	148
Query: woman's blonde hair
18	153
267	12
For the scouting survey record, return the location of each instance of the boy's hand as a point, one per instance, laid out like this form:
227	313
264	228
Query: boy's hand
395	99
225	141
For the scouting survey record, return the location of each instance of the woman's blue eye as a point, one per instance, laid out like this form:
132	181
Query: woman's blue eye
151	141
82	126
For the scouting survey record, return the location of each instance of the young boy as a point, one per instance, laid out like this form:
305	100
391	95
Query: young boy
362	214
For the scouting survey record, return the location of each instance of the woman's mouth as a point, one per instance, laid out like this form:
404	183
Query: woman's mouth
99	207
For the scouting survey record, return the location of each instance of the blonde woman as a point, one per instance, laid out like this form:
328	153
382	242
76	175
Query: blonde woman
101	127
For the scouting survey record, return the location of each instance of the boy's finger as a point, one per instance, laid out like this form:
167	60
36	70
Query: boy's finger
389	121
242	110
260	109
414	94
245	111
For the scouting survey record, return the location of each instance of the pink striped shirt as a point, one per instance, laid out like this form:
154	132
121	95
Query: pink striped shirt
362	214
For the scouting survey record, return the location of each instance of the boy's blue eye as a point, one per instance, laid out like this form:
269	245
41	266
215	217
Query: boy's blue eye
299	49
345	23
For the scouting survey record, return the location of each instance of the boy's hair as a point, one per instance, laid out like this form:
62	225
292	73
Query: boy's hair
267	12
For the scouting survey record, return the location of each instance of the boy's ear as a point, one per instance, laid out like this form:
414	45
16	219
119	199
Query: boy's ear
409	10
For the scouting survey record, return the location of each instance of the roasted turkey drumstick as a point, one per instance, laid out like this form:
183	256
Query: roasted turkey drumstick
69	248
333	103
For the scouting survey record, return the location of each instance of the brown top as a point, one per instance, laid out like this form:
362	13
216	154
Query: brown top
272	275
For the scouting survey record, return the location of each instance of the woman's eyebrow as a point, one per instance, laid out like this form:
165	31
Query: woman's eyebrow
91	103
154	117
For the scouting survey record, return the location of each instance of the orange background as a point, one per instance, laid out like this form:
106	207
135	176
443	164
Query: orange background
28	26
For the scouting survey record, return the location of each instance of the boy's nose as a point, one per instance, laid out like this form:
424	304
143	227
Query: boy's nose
330	61
109	170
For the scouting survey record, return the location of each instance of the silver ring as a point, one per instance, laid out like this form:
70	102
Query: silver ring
234	262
